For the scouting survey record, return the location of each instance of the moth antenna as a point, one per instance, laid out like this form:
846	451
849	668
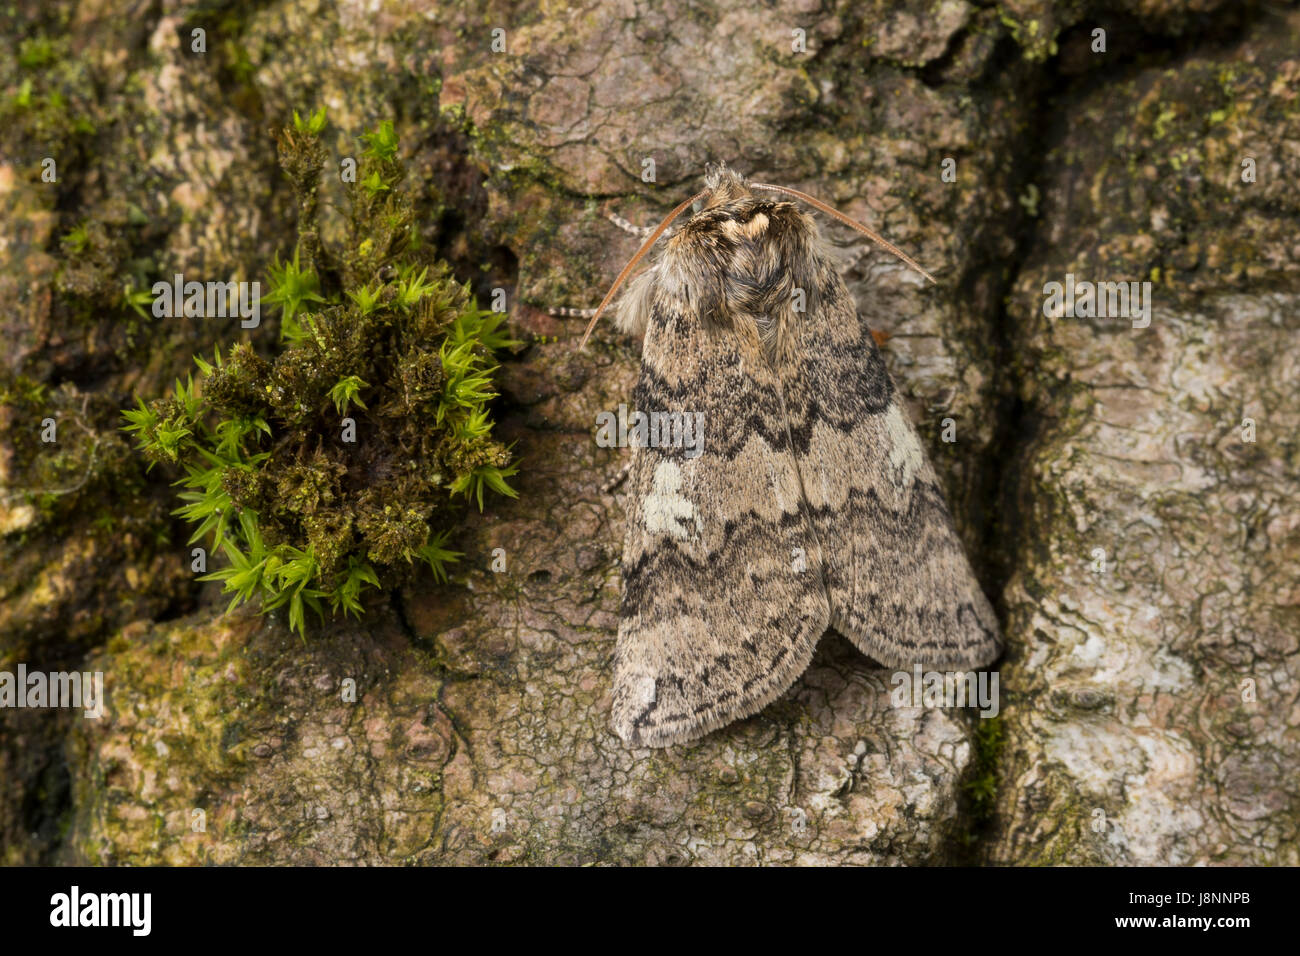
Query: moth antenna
640	254
852	223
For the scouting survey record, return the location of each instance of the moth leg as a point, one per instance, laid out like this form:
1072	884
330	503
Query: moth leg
617	479
639	231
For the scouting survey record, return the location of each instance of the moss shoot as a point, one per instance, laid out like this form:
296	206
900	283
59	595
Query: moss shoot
339	463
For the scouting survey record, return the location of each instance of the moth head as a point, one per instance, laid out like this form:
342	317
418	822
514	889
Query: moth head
722	185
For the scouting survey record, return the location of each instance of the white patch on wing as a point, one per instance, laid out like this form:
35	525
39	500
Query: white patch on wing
643	690
666	510
904	448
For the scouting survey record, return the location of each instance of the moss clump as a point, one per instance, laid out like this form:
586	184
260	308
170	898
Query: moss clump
332	466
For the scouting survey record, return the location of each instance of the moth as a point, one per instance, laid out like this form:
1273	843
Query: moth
809	505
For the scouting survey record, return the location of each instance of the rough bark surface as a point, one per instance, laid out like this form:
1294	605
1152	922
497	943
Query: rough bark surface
479	732
1154	714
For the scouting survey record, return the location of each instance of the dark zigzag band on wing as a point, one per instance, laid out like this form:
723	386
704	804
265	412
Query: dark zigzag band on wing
896	575
691	704
720	700
925	509
805	415
674	606
654	386
703	684
882	617
749	531
760	418
763	418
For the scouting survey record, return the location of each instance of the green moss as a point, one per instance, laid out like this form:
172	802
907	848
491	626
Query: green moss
331	467
52	100
502	150
36	53
981	786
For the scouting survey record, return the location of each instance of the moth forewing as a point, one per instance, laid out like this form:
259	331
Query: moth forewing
713	624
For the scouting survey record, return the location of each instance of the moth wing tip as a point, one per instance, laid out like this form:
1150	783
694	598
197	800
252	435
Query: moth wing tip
632	737
650	738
